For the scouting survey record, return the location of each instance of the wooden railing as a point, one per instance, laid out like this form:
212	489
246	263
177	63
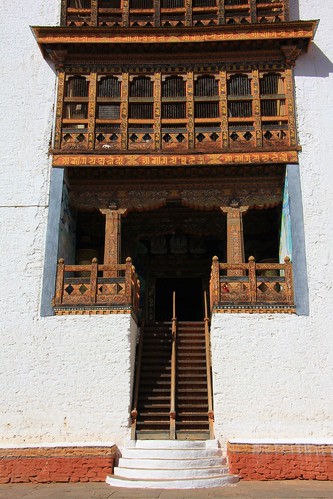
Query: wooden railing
209	371
134	411
173	370
91	286
256	285
116	14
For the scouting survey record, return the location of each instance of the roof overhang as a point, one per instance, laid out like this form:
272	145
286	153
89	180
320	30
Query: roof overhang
285	40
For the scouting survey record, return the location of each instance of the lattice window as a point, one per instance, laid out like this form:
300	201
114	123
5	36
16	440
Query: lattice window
206	86
272	84
109	87
141	111
141	4
204	3
236	2
110	4
172	4
239	85
141	87
79	4
77	86
174	86
174	110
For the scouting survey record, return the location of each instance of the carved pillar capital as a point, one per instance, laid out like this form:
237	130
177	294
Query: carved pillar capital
234	212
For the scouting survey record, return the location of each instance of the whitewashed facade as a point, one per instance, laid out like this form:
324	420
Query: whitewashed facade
69	379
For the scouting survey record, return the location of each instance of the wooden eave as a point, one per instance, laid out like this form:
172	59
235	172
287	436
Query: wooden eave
65	45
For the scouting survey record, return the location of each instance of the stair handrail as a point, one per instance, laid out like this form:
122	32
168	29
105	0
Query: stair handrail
134	411
208	370
173	370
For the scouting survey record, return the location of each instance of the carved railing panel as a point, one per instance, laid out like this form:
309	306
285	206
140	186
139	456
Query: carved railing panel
259	286
84	286
117	13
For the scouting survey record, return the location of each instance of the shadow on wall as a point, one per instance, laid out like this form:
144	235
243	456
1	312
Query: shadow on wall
314	63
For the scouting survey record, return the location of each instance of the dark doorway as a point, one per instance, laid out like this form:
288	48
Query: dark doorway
189	299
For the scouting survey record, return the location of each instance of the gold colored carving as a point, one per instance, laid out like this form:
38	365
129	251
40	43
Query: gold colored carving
75	160
92	110
60	100
281	31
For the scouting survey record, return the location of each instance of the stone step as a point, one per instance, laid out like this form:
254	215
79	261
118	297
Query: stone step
172	463
170	453
165	474
185	483
174	444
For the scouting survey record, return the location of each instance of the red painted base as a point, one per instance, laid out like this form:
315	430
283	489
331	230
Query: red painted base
58	464
281	461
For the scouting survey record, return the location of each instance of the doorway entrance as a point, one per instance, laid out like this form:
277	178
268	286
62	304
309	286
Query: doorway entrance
189	298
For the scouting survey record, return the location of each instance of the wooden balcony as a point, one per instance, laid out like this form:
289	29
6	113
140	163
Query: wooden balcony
96	289
252	287
177	13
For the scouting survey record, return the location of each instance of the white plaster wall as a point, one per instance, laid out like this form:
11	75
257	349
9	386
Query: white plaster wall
63	379
273	373
68	379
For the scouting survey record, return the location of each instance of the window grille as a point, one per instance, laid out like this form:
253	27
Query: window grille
109	87
141	87
77	86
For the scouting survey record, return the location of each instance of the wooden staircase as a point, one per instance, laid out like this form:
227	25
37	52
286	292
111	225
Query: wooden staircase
173	394
191	386
153	419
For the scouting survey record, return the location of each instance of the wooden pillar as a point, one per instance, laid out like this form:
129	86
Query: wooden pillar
157	13
257	107
60	104
63	15
253	11
291	107
92	110
94	13
235	238
190	110
224	109
124	110
112	246
188	13
157	110
125	9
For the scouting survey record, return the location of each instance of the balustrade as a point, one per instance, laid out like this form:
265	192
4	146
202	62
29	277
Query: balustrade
260	285
84	287
172	13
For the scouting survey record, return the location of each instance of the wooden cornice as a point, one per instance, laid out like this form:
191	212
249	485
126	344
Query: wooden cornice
287	40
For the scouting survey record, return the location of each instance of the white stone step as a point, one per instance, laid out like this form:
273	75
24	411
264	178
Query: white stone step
172	463
189	483
192	453
165	474
175	444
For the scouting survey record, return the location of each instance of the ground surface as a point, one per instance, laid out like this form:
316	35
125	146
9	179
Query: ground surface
292	489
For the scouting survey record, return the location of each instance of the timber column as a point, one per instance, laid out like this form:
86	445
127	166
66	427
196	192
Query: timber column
235	236
112	245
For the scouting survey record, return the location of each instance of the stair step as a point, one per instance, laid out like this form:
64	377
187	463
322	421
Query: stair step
162	474
185	483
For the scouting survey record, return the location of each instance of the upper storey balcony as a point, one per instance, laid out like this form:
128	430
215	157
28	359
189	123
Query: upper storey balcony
172	13
222	112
